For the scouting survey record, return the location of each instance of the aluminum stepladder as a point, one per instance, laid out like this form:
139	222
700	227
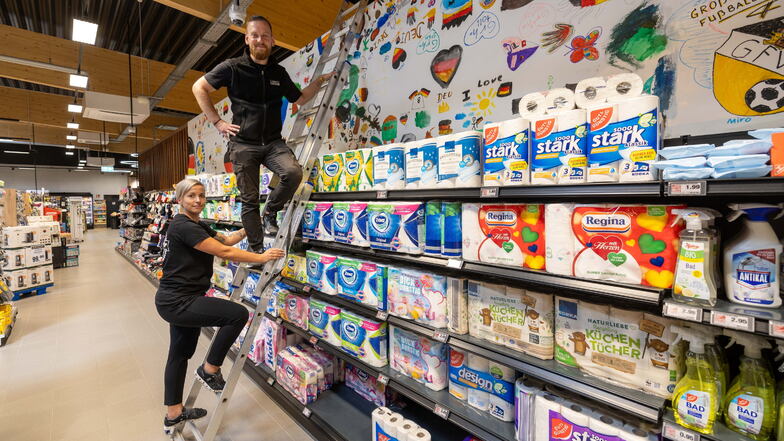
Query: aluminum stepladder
308	139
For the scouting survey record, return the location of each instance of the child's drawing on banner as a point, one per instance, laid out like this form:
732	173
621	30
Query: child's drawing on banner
207	148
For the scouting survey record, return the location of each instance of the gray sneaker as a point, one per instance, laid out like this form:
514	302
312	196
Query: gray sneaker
170	427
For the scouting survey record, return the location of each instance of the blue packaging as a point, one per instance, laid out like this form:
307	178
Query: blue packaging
363	282
434	223
349	223
429	176
397	226
505	153
322	271
452	229
459	163
317	221
464	376
364	338
558	148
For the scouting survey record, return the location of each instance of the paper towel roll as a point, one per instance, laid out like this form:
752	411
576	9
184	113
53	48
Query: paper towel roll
452	230
414	158
411	236
625	84
552	161
459	163
590	91
544	403
558	100
599	116
380	167
525	393
477	398
472	232
532	104
560	243
499	407
632	433
505	154
392	424
377	418
359	234
418	435
603	424
406	430
429	173
576	414
632	168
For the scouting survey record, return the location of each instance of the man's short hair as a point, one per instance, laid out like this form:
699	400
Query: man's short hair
260	18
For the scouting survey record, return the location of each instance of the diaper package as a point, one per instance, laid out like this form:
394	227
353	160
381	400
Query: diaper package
628	348
519	319
434	223
349	223
413	158
486	385
396	226
505	154
633	244
331	172
508	234
558	148
296	268
429	175
363	282
366	386
322	271
324	321
364	338
389	167
317	221
623	139
459	162
419	358
420	296
293	308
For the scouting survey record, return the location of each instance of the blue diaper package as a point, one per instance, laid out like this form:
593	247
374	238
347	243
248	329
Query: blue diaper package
695	162
363	282
743	161
765	134
680	174
452	229
748	172
686	151
434	222
742	147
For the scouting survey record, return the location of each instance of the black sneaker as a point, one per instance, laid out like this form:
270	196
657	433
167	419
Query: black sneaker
213	382
270	222
170	426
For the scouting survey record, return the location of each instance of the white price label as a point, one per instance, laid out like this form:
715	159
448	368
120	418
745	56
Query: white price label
687	188
279	320
732	321
776	329
270	380
683	312
381	194
306	288
306	411
488	192
313	340
383	379
454	263
305	240
440	336
441	411
675	432
382	315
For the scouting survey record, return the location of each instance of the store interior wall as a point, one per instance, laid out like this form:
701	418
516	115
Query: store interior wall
64	180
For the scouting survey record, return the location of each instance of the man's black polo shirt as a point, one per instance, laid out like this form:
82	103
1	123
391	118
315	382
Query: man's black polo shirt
256	92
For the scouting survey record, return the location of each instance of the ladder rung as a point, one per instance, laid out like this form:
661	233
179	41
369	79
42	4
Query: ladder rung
194	430
330	57
341	32
348	11
297	140
307	113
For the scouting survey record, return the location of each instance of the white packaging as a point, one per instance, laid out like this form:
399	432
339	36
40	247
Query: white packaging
576	414
15	258
591	91
532	104
17	280
459	162
419	435
414	160
543	404
35	276
558	148
561	241
625	84
47	272
380	167
378	418
559	100
457	297
603	424
499	407
20	236
408	429
419	358
389	167
505	153
478	398
38	255
429	174
636	163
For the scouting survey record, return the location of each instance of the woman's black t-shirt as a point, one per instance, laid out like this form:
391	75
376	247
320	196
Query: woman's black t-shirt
186	270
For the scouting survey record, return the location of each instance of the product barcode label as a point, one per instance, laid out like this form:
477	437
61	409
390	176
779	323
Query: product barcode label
732	321
381	194
776	329
683	312
488	192
270	380
440	336
441	411
454	263
306	411
687	188
382	379
675	432
313	340
382	315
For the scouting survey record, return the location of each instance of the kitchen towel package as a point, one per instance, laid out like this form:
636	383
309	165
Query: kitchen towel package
364	338
505	153
505	234
322	269
414	161
558	148
366	181
397	226
331	172
429	176
419	358
366	386
317	221
628	348
459	163
353	163
493	384
363	282
389	167
434	223
513	317
349	223
324	321
457	310
561	241
420	296
296	268
451	229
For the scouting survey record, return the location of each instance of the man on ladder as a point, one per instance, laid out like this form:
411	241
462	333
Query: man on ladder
256	86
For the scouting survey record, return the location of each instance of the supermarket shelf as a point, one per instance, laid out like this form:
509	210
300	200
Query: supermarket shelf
637	403
767	187
218	198
223	222
767	322
333	299
674	432
546	282
148	276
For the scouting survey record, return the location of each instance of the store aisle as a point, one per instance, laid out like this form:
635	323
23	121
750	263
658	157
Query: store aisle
86	362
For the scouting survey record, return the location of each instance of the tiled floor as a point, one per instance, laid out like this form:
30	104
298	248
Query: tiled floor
85	362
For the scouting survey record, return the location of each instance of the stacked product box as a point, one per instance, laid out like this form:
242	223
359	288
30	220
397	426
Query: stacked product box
28	253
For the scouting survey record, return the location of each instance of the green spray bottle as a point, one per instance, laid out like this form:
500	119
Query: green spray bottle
750	403
696	397
696	274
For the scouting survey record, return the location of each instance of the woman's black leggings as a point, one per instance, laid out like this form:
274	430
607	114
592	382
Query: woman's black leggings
184	327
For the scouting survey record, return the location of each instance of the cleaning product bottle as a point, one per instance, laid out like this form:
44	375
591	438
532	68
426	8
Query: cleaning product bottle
715	354
696	399
779	370
695	276
752	258
750	403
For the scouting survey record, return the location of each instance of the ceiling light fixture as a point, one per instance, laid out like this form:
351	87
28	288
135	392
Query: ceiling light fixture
70	146
70	137
25	168
84	31
69	153
134	155
75	108
16	152
78	81
72	125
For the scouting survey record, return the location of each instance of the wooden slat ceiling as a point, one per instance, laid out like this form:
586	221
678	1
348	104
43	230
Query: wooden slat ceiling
40	30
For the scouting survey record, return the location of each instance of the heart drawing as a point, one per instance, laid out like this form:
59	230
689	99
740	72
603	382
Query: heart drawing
445	64
604	245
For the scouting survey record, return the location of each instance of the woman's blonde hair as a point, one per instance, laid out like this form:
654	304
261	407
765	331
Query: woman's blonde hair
184	186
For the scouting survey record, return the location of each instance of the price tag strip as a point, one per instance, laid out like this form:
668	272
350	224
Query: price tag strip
306	288
454	263
776	329
313	340
307	412
383	379
683	312
441	411
732	321
381	194
675	432
382	315
488	192
687	188
270	380
440	336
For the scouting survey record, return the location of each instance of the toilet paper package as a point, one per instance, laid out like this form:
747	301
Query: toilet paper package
324	321
452	229
519	319
364	338
296	268
363	282
561	241
429	175
628	348
457	310
389	167
558	148
419	358
366	181
505	153
553	414
331	172
634	244
366	386
293	308
300	381
414	160
349	223
249	288
274	337
273	295
324	361
396	226
419	296
525	406
623	139
508	234
459	162
317	221
322	271
434	223
310	365
484	385
353	164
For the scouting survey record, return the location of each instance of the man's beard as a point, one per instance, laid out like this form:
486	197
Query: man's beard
260	53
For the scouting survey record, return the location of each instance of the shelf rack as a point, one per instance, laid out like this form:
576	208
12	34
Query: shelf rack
765	322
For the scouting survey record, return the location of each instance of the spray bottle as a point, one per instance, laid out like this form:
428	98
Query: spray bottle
753	257
750	403
779	369
696	398
695	274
